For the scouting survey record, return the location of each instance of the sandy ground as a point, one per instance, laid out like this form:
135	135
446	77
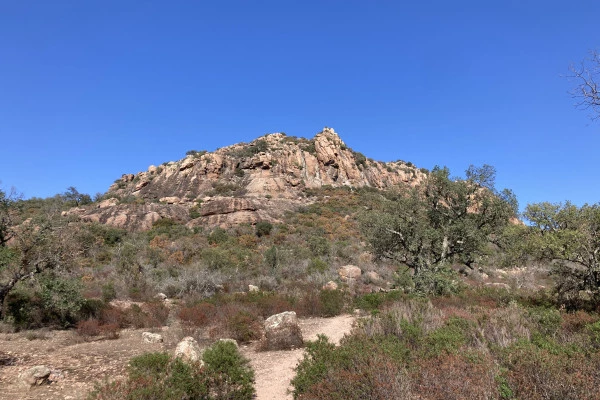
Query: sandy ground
78	365
275	369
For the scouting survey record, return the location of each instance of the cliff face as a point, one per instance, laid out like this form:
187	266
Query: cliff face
244	182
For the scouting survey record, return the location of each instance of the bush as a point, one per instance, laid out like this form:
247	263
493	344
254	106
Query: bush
229	373
332	302
244	327
197	315
263	228
225	375
360	368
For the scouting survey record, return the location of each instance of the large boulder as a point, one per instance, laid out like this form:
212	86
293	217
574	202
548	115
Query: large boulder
35	376
150	337
282	332
188	350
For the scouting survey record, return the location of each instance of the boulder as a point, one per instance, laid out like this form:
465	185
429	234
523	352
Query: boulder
188	349
373	277
252	288
150	337
35	376
282	332
161	296
331	285
349	272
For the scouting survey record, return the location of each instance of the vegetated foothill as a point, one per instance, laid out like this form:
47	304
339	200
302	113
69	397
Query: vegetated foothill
459	299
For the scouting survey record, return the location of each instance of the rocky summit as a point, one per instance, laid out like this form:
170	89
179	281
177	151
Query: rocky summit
242	183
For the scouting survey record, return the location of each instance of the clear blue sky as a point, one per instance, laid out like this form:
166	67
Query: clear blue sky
90	90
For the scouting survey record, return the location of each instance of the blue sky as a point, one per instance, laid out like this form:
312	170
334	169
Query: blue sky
90	90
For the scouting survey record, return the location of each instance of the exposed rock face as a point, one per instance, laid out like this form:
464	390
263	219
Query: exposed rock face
134	217
244	183
282	332
188	349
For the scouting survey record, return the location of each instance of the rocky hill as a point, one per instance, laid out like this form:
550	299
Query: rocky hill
243	183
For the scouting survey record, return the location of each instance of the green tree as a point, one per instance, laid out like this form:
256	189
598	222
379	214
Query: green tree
40	244
442	220
8	215
570	237
73	197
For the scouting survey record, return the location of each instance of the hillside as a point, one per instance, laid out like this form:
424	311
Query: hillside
243	183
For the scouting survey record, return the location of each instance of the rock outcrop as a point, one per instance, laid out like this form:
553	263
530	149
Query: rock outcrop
243	183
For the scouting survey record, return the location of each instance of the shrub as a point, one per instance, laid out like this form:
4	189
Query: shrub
109	292
228	373
263	228
534	373
218	236
225	375
332	302
319	245
317	265
198	315
360	368
244	327
456	376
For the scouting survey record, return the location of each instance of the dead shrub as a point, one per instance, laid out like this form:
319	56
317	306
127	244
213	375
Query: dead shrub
113	316
93	328
110	331
504	326
88	328
537	374
197	315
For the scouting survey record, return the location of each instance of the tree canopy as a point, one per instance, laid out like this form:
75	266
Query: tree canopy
570	237
440	221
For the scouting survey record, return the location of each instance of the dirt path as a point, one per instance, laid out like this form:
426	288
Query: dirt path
78	365
275	369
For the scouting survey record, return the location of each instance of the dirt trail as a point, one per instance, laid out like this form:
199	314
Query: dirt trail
275	369
80	364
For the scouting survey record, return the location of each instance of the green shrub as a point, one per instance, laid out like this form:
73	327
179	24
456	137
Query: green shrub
229	374
169	228
359	159
109	292
317	265
319	245
360	368
263	228
218	236
194	212
158	376
448	338
332	302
